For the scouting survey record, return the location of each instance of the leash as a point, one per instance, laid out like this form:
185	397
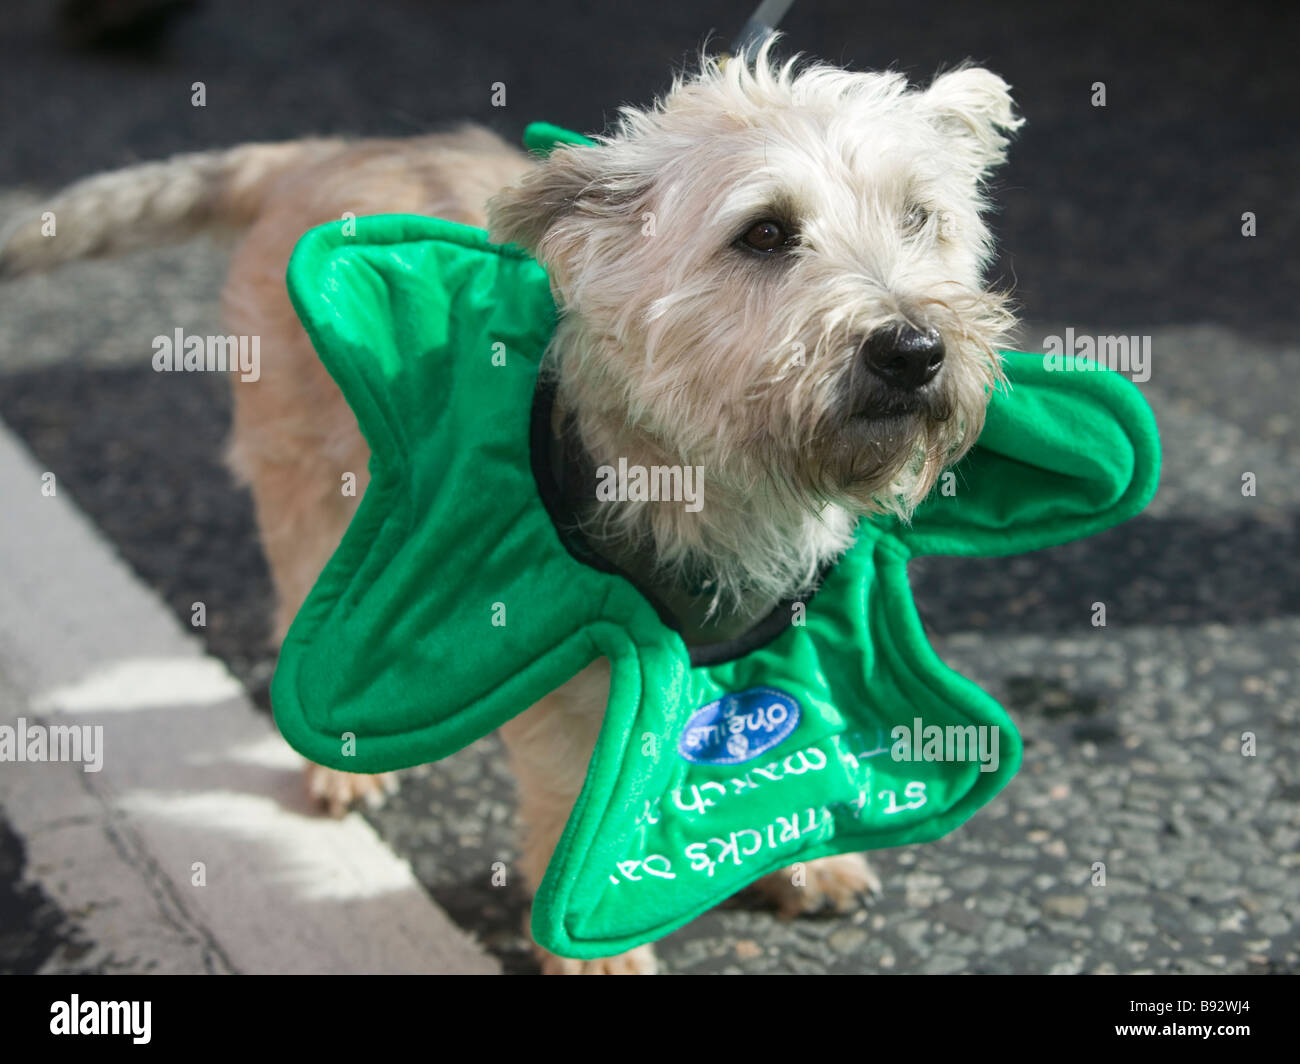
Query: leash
761	25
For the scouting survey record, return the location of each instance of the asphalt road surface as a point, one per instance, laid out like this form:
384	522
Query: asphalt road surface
1124	219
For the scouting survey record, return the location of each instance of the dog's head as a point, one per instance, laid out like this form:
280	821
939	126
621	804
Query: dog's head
777	273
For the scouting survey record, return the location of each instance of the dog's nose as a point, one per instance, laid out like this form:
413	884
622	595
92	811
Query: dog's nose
903	356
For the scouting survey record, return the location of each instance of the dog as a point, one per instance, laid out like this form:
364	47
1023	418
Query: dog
773	274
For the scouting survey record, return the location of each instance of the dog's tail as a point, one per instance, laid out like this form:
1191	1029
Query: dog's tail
153	203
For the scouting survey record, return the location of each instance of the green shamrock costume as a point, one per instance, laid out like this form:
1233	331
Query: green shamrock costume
453	603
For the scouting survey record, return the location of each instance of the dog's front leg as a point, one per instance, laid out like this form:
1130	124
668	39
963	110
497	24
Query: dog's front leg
838	884
339	791
550	746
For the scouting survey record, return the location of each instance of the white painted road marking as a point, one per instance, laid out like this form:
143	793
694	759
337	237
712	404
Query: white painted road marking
193	778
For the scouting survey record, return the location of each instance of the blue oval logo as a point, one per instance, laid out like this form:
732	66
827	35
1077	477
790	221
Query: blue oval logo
737	728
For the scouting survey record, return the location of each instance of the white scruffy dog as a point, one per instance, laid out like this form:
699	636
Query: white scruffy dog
774	274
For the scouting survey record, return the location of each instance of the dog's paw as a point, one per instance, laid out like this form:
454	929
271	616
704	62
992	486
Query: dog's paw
340	791
839	883
639	961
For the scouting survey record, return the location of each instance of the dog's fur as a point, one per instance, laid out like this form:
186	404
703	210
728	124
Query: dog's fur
677	345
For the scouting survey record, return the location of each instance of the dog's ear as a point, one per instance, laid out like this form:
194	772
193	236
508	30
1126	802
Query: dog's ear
974	106
521	213
577	183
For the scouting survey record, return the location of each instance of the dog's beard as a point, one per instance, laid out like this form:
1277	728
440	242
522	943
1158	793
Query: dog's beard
886	461
886	452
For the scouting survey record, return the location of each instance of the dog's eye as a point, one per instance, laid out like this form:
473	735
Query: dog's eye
915	219
767	236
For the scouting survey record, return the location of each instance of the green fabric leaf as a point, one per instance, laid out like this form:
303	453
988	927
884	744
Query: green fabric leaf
452	604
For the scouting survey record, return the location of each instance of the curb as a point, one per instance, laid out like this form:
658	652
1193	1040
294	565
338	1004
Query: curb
194	848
